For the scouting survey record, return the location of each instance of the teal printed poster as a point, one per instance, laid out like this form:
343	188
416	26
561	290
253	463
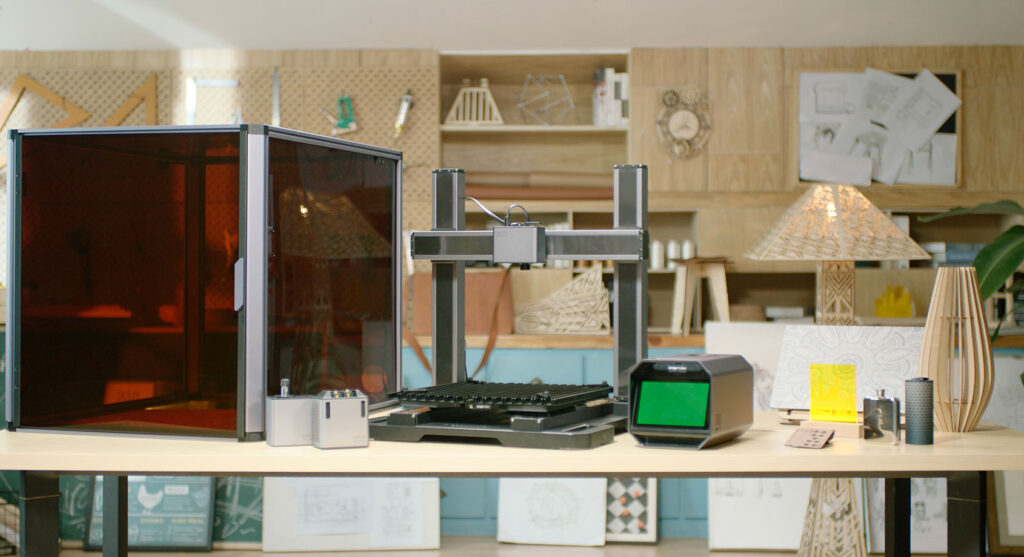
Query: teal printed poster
164	512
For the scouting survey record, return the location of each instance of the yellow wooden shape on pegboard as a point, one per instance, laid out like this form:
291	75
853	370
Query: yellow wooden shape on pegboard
76	114
146	92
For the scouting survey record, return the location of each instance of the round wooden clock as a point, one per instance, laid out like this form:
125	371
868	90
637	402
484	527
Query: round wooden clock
683	124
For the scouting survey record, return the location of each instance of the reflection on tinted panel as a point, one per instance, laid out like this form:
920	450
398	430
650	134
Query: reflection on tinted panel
127	247
330	289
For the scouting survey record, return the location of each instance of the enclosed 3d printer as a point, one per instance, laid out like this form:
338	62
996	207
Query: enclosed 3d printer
164	279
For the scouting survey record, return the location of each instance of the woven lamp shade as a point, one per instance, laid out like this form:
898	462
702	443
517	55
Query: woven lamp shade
833	222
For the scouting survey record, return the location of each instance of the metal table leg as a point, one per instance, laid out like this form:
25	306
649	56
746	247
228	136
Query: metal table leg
115	516
39	503
966	512
897	517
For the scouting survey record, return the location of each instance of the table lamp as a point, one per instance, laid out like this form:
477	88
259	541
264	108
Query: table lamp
835	225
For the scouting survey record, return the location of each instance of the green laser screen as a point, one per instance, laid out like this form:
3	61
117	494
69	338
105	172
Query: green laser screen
673	404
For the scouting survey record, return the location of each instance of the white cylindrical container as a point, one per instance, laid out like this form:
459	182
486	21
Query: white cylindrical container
688	250
672	251
657	255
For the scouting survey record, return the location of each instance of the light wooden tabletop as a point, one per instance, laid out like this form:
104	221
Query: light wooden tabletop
760	451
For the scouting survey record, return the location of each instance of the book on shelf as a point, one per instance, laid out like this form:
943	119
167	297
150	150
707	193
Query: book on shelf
610	98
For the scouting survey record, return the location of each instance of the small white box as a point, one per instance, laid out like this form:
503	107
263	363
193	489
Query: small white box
340	419
289	420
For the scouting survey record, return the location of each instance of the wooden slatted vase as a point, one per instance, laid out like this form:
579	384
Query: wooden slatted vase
956	352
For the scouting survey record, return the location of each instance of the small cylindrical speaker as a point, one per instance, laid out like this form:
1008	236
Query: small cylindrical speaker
920	419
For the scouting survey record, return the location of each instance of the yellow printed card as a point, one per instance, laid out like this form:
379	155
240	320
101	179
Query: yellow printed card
834	392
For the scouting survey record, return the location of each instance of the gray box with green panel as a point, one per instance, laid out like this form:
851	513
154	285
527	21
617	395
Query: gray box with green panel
691	401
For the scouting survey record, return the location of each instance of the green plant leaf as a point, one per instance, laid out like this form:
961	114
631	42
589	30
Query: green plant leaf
997	261
1004	207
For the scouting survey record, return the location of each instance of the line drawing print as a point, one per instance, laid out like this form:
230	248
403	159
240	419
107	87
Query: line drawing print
553	506
920	108
830	98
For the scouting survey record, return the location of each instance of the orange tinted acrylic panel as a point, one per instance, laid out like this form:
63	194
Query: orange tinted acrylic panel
127	246
330	279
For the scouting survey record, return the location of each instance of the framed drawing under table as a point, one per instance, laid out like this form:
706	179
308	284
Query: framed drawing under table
962	458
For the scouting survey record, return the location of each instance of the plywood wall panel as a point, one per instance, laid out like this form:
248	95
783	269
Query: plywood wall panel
746	172
746	151
993	138
652	71
993	66
914	58
808	59
746	94
657	67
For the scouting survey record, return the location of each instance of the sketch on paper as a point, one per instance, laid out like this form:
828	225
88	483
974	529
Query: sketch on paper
885	357
880	90
927	515
756	513
931	163
920	110
864	139
340	507
758	343
829	97
332	514
1006	407
396	517
555	511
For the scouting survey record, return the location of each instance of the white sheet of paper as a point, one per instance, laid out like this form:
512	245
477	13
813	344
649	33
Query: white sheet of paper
553	511
334	514
827	167
860	138
758	343
932	163
885	357
340	506
1006	407
829	97
880	89
396	514
818	136
756	513
1013	487
920	110
927	515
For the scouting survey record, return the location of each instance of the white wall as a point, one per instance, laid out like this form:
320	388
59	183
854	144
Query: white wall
481	25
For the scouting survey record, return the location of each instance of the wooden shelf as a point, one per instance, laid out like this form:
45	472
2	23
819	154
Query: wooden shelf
486	546
572	341
526	128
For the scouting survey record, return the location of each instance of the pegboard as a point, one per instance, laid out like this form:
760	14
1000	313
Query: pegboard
219	105
375	95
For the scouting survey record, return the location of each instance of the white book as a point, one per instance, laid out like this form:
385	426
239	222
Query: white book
621	96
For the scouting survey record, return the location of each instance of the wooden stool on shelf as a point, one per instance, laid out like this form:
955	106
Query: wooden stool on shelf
684	295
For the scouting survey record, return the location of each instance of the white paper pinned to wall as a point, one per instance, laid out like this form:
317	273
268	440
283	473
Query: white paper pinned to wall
920	110
553	511
333	514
